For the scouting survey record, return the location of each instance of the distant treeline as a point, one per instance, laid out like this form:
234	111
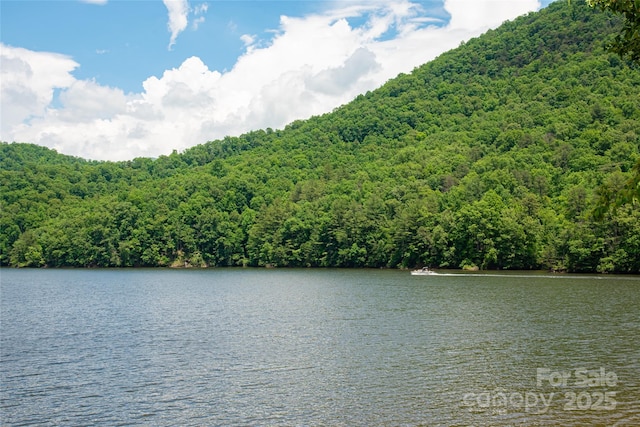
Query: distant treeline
493	155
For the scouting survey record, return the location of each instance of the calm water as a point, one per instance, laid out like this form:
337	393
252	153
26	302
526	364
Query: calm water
317	347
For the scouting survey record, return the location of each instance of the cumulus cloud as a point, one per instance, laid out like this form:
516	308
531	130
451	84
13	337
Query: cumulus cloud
85	101
311	65
334	81
473	15
178	18
27	83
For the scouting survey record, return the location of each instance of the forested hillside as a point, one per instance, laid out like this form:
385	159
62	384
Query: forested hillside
494	155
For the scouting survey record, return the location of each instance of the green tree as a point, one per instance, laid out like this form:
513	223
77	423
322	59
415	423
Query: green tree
27	251
493	154
611	198
627	43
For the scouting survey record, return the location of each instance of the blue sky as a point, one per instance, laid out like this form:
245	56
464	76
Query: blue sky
118	79
122	42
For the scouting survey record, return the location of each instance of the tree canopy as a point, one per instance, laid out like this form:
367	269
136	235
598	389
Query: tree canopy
494	155
627	43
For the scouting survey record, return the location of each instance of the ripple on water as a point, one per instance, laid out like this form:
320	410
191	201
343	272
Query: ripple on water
310	347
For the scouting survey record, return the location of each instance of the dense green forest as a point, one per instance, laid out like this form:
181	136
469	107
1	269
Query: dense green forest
494	155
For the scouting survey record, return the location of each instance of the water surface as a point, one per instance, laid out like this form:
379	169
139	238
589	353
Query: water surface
231	347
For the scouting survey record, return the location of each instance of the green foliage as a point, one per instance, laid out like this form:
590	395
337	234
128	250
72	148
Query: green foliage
627	43
497	154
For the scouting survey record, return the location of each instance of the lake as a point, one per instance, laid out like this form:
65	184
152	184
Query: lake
258	347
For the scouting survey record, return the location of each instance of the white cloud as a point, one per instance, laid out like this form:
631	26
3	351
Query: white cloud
201	9
197	22
310	66
86	100
248	39
178	18
27	83
98	2
334	81
472	15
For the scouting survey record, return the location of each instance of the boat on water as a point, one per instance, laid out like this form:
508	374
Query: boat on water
425	271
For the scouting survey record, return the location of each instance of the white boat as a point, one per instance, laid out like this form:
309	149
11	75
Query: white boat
425	271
